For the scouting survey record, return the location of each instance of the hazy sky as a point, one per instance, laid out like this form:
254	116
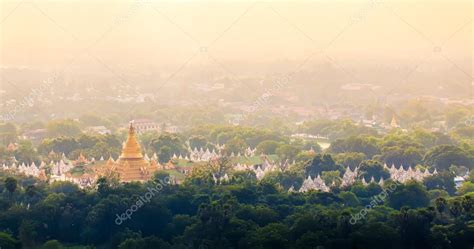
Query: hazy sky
130	35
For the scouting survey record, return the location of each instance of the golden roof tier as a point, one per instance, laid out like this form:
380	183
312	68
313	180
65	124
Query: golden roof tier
131	148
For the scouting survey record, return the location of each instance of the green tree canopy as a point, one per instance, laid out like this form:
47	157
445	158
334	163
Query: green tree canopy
443	156
67	128
372	168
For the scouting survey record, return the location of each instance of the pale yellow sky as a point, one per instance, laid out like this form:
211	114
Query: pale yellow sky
48	34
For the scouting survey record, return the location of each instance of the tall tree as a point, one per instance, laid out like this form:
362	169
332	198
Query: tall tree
372	168
11	185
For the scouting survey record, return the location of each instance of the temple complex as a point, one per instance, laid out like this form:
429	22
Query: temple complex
131	166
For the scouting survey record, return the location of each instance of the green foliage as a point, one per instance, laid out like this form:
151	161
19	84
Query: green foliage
360	144
67	128
252	136
286	180
8	133
235	145
464	132
272	236
164	154
52	244
375	235
261	215
63	187
350	159
331	178
454	116
94	120
320	163
199	141
306	144
11	184
242	212
402	140
415	111
466	187
267	147
339	129
26	153
410	156
235	214
443	156
7	241
372	168
349	198
89	145
166	144
59	145
287	152
247	176
304	157
442	181
28	234
413	195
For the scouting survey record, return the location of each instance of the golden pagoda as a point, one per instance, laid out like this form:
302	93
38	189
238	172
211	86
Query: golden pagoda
131	166
394	123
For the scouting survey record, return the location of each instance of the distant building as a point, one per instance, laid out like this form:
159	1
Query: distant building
145	125
102	130
458	181
171	129
36	136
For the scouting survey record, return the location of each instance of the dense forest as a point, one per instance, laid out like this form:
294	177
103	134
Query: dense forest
236	214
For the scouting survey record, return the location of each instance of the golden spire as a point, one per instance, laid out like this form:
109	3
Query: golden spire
131	148
394	123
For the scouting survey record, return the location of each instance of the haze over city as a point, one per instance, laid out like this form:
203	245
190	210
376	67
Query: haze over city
236	124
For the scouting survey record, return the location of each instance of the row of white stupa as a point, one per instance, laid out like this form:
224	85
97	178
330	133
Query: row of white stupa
350	177
201	155
402	175
195	155
223	178
58	169
58	172
263	169
260	171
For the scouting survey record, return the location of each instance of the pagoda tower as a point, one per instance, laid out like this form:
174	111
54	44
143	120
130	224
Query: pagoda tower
394	123
131	166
